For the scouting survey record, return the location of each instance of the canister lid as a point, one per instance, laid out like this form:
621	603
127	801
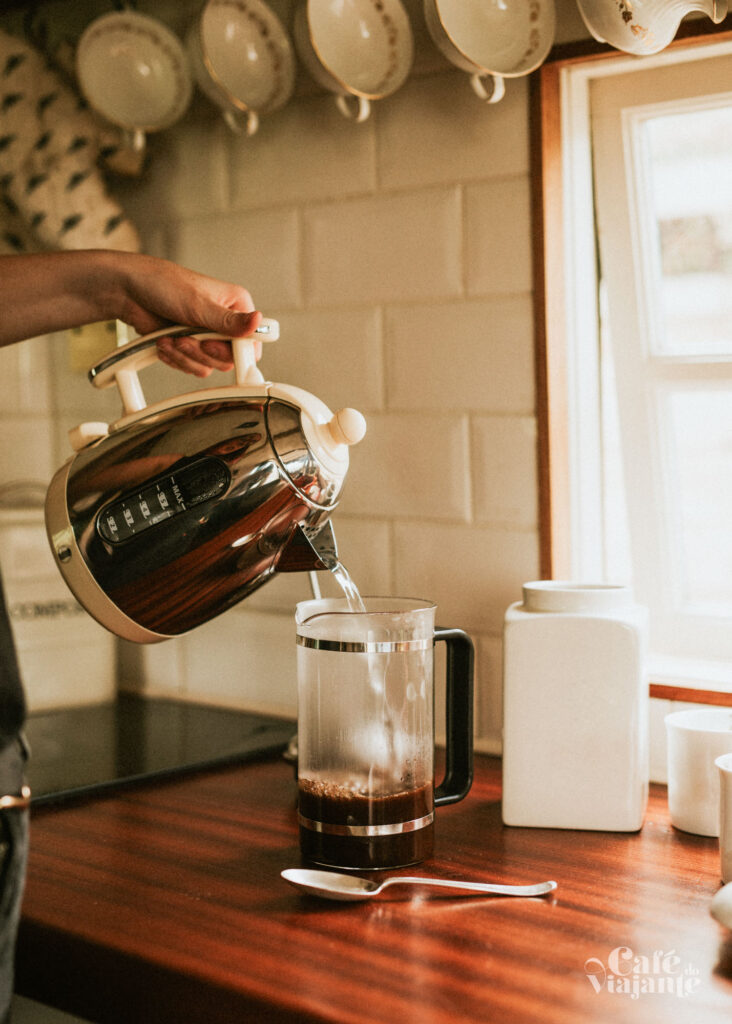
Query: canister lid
563	596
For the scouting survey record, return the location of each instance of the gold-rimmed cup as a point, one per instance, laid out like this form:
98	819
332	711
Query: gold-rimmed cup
242	60
134	72
360	50
492	42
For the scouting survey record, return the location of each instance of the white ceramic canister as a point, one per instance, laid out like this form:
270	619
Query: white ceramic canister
575	708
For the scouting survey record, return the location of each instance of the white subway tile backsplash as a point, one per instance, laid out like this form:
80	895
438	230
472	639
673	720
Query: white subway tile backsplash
334	354
330	157
435	129
259	250
489	690
25	380
27	451
411	465
498	236
72	394
185	174
153	669
244	659
472	573
474	355
504	470
392	248
364	548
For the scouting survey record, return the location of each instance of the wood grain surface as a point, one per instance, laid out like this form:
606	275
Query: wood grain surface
165	904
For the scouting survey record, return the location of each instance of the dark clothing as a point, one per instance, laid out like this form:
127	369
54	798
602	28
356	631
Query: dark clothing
13	821
12	698
13	857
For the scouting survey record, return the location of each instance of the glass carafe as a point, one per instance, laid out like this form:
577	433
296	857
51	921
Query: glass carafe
366	793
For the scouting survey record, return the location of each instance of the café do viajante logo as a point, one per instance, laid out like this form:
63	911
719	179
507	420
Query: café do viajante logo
626	973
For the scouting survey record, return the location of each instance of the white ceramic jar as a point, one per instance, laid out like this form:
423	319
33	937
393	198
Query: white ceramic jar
575	708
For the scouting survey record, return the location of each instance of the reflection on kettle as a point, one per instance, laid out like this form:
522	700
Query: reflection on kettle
178	510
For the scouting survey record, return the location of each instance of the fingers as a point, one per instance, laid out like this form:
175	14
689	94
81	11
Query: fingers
201	357
196	357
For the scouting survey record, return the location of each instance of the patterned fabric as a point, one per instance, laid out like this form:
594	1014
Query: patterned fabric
51	189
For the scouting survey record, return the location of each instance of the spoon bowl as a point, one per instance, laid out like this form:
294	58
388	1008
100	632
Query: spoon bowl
331	885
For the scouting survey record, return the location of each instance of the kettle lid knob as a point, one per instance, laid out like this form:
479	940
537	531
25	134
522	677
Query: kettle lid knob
348	426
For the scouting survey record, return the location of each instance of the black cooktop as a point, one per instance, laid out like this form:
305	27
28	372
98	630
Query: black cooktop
78	751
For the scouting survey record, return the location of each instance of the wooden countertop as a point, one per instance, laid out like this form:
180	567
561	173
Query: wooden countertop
164	904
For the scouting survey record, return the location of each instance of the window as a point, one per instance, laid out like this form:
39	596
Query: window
635	342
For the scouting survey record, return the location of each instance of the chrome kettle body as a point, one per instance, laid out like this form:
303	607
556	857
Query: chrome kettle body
179	510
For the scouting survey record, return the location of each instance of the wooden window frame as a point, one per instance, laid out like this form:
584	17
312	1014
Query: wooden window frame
549	304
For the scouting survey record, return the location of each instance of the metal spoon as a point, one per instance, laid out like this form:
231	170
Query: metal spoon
333	886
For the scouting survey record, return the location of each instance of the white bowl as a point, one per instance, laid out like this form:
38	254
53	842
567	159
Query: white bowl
133	71
242	59
361	48
643	27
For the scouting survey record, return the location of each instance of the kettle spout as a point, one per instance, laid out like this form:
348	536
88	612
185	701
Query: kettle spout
304	552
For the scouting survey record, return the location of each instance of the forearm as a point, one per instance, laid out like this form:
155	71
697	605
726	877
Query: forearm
45	292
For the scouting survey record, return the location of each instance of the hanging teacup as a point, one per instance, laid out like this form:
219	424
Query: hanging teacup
134	72
361	50
242	60
492	41
643	27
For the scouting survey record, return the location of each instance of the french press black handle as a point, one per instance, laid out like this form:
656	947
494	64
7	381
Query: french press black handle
459	716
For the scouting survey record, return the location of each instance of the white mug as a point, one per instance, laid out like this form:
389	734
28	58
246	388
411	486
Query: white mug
492	41
360	50
695	738
242	60
724	766
134	72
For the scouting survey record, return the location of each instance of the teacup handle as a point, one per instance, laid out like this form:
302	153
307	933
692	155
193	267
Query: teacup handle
459	717
244	123
134	139
497	87
355	108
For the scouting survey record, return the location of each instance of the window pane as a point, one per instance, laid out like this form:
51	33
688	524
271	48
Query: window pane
689	181
699	493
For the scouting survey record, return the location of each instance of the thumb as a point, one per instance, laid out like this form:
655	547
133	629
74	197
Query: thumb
233	322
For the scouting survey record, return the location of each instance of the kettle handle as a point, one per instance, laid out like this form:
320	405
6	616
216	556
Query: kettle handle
122	366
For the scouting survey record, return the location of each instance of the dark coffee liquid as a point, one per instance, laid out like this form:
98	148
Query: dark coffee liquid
333	804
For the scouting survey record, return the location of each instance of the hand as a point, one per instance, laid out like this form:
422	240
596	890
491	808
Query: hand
201	357
41	293
160	292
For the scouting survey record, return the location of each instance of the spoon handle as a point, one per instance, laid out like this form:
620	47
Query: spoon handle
540	889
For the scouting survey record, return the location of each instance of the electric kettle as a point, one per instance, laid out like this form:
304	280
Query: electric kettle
175	512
